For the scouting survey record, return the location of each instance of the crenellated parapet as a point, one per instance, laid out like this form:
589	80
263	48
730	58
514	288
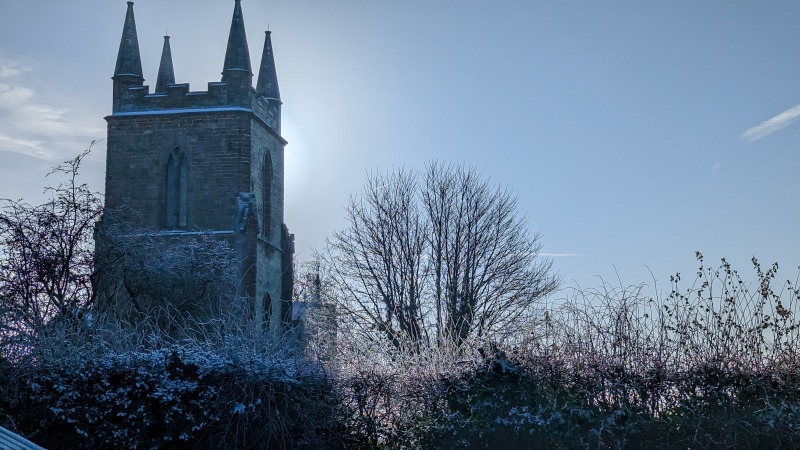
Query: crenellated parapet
178	99
235	92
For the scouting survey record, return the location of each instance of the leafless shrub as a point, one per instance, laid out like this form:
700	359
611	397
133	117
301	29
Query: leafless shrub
46	257
717	358
710	365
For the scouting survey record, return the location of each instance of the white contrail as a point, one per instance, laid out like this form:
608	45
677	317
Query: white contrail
772	125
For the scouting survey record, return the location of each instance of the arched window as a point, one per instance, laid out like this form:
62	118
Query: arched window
266	194
176	193
184	187
266	308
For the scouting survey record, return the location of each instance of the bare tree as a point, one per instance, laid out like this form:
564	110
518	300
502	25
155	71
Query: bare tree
46	254
438	263
486	273
379	259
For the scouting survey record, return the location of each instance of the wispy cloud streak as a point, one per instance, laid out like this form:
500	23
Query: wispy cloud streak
11	67
560	255
31	127
772	125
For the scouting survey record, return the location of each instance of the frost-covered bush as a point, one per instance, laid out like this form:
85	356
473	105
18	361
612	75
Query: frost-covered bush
214	382
131	400
526	403
391	409
714	365
184	397
139	270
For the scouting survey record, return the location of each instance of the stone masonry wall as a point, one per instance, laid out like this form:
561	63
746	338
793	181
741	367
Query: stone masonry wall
225	151
217	148
269	267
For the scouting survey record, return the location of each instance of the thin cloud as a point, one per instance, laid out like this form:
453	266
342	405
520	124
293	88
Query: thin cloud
560	255
11	96
11	68
772	125
34	128
23	146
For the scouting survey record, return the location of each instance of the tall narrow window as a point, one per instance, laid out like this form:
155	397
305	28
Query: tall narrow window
266	308
266	194
172	193
177	181
184	187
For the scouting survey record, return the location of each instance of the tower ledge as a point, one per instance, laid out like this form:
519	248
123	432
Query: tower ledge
212	110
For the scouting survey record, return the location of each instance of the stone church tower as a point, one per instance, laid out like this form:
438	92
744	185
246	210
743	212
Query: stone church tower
206	162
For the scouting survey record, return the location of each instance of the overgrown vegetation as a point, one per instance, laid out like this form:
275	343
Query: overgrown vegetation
711	365
203	393
143	271
179	363
46	256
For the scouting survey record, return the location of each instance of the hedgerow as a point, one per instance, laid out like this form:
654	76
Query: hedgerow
712	365
181	397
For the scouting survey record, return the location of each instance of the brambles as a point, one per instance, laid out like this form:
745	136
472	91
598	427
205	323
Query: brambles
712	365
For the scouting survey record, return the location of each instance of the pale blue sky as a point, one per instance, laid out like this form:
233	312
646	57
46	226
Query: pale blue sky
619	123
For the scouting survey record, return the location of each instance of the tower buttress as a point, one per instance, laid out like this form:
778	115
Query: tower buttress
237	71
128	72
166	73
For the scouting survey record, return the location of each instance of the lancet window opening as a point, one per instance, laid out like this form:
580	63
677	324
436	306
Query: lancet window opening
177	181
266	194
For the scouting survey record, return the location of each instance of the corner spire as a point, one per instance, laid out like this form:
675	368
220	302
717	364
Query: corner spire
129	62
237	57
166	73
267	85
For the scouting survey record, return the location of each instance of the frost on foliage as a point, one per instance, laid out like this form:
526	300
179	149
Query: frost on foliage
144	399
